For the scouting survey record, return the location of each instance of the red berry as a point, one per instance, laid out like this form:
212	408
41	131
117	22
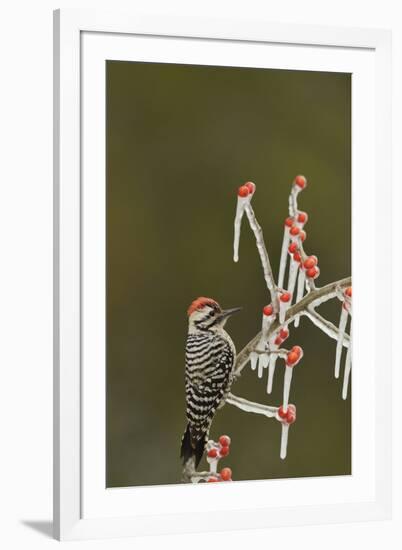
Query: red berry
310	262
243	191
302	217
268	310
283	333
210	479
300	181
348	292
289	222
278	341
224	451
297	257
212	453
290	417
292	358
250	186
292	247
281	412
294	230
303	235
313	272
285	297
297	349
226	474
224	440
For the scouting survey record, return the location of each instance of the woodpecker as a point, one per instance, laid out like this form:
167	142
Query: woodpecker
210	358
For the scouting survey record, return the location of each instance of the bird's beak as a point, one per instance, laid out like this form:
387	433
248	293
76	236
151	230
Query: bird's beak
228	312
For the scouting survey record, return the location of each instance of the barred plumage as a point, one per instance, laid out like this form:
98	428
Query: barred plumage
210	356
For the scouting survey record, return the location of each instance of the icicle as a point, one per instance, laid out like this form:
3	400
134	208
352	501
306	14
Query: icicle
348	366
213	466
260	367
268	318
286	417
241	204
284	440
262	359
285	300
284	253
293	271
212	460
286	386
271	371
262	363
339	343
274	344
253	360
301	284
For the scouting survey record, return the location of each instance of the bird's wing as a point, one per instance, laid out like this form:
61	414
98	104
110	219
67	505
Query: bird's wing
208	373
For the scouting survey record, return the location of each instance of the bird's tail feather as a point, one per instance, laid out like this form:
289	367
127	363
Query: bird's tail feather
192	448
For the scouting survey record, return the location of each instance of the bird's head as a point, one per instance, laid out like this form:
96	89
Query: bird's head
207	314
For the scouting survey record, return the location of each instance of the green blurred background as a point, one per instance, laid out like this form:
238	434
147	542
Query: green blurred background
180	140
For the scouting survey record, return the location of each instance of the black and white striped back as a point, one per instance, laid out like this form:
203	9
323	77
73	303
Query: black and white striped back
210	358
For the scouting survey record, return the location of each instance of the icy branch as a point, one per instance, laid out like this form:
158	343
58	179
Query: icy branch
339	344
346	374
266	265
326	326
250	406
241	203
304	307
264	349
216	450
244	196
293	200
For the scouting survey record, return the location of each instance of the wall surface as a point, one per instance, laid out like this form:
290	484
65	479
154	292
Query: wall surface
26	275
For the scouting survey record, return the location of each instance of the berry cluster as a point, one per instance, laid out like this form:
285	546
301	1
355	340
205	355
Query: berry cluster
293	356
287	416
220	449
282	335
216	451
310	263
224	475
246	189
311	267
297	235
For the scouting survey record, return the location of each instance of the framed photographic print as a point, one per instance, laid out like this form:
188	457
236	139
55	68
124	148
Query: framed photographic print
218	184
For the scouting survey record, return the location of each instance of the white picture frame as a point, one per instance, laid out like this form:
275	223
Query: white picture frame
83	507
